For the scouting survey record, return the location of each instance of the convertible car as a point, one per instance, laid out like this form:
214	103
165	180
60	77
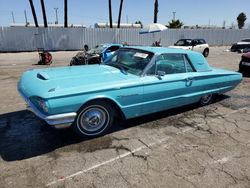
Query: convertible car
133	82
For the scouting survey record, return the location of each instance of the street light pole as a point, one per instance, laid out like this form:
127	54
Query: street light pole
56	22
174	15
13	17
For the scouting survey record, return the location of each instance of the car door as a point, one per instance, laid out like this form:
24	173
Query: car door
197	46
168	83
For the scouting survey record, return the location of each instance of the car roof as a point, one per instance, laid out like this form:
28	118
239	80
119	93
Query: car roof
161	50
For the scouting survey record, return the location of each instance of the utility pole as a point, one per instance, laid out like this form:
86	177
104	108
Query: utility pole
33	12
44	14
56	22
13	18
174	15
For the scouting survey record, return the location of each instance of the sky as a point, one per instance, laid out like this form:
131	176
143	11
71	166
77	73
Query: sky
190	12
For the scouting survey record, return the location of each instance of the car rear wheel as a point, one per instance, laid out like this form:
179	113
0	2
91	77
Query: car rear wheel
94	119
206	52
206	99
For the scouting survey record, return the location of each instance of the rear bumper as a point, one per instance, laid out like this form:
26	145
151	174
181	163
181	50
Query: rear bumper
58	120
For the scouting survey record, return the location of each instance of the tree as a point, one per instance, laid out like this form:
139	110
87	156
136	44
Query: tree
175	24
156	11
65	13
110	14
139	22
120	13
241	20
33	12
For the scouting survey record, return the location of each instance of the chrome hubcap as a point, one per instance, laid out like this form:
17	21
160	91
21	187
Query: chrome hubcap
93	119
206	98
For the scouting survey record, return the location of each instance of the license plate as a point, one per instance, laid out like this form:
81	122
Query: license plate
246	63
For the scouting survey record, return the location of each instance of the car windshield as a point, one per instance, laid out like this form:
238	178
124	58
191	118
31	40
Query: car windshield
97	49
183	42
131	61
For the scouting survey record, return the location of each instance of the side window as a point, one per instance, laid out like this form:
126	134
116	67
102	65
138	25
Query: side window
171	63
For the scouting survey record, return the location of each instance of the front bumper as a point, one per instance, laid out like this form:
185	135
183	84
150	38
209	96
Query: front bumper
58	120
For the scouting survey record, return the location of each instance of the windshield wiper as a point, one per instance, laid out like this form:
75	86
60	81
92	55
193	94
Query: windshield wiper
119	66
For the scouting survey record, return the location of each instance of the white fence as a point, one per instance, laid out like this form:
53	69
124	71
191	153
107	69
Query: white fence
29	39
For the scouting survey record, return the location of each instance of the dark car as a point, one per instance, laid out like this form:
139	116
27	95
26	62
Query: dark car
244	66
241	46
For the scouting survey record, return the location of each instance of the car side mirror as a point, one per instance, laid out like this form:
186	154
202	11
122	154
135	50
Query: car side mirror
159	74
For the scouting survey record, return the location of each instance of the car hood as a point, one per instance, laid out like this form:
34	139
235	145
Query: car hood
182	47
247	55
56	82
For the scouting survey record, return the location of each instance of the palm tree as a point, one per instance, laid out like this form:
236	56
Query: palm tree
120	13
241	20
110	15
44	14
156	11
65	13
33	12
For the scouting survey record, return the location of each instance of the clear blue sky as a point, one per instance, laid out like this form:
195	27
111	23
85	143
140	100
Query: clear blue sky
191	12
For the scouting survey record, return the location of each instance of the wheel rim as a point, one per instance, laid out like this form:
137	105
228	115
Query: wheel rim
93	120
206	53
206	99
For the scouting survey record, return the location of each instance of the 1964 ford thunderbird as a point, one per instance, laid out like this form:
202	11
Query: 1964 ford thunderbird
135	81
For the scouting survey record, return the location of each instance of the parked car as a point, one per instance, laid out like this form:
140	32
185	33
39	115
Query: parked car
134	82
241	47
95	55
198	45
244	66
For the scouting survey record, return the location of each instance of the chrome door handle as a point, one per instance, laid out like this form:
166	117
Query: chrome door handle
189	81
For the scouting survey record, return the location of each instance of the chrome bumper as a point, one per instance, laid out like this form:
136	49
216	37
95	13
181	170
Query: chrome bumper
58	120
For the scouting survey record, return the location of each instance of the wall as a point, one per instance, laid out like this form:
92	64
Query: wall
29	39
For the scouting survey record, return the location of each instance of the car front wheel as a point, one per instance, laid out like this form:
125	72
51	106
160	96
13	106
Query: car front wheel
94	119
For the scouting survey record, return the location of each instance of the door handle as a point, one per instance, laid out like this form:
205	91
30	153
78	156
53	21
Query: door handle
189	81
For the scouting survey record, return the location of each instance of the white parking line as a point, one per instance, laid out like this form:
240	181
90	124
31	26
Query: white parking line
107	162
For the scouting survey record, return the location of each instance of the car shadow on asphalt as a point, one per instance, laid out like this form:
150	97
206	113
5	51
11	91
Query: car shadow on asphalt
23	136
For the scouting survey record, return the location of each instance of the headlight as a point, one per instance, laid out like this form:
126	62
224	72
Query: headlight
40	103
43	105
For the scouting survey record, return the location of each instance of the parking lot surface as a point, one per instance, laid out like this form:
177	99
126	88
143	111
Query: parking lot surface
186	147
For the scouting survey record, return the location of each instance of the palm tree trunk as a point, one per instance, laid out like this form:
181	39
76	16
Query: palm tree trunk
110	15
33	12
44	14
120	13
65	13
156	11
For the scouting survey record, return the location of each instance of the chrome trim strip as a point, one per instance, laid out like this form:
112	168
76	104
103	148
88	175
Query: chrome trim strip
57	119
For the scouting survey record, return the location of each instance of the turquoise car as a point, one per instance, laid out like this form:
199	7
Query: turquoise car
133	82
